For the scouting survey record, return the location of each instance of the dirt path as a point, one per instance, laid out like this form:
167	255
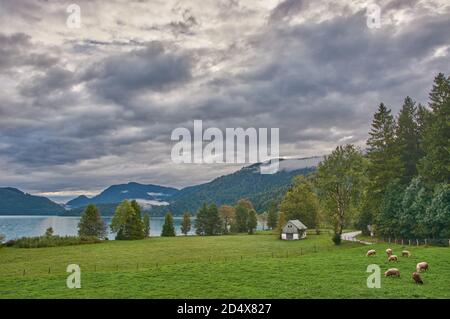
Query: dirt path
351	236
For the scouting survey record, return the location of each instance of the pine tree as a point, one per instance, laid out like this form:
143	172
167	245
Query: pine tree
168	229
252	222
385	164
146	221
272	216
408	140
435	165
186	224
49	232
201	220
241	218
91	223
127	223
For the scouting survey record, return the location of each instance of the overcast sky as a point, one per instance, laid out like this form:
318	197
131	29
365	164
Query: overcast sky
81	109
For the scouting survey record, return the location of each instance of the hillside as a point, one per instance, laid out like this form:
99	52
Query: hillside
261	189
146	194
16	202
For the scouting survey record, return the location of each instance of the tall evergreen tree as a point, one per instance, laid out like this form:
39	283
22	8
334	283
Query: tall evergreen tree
435	165
208	221
146	221
385	164
241	218
408	140
272	216
168	229
186	224
91	223
127	223
252	222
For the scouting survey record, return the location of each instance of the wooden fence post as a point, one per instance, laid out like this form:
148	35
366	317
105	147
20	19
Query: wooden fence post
409	242
389	240
425	241
417	242
49	270
402	242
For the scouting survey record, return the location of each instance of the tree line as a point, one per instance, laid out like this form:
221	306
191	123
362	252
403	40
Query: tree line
398	186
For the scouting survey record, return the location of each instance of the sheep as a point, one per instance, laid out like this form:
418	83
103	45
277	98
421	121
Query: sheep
406	253
393	258
392	272
422	266
371	252
389	252
417	278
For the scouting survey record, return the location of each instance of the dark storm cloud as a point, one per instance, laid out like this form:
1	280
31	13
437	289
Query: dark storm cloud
150	69
288	8
103	110
15	51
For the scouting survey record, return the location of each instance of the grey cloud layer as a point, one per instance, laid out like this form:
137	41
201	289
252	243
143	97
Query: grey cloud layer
83	110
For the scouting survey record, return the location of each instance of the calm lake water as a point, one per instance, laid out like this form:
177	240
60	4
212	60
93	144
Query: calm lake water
19	226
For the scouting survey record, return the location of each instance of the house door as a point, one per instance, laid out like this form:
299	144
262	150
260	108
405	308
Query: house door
289	236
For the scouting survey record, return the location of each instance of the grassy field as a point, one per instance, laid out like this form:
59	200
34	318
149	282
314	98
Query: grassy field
240	266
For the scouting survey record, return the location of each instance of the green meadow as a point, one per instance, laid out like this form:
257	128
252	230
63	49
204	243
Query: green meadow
235	266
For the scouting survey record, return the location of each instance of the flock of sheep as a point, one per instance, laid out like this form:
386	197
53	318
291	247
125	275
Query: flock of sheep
395	272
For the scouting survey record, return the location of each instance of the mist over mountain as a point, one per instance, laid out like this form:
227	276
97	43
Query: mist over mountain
248	182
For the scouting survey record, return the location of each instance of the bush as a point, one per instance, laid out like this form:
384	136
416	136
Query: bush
337	239
51	241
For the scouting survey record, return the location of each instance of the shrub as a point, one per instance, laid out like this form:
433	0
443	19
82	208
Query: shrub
51	241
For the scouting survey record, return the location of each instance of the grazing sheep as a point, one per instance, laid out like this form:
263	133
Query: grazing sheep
406	253
417	278
422	266
371	252
392	272
389	252
393	258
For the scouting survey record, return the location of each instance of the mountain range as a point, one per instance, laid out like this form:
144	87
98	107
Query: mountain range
16	202
247	182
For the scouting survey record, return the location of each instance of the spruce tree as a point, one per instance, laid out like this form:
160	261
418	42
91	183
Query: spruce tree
168	229
385	164
252	222
408	140
241	218
91	223
435	165
201	220
272	216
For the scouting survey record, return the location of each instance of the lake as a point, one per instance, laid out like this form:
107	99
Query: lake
18	226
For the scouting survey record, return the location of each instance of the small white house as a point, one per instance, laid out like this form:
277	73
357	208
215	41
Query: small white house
294	230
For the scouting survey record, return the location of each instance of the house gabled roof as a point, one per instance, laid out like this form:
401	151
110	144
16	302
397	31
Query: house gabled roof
297	224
